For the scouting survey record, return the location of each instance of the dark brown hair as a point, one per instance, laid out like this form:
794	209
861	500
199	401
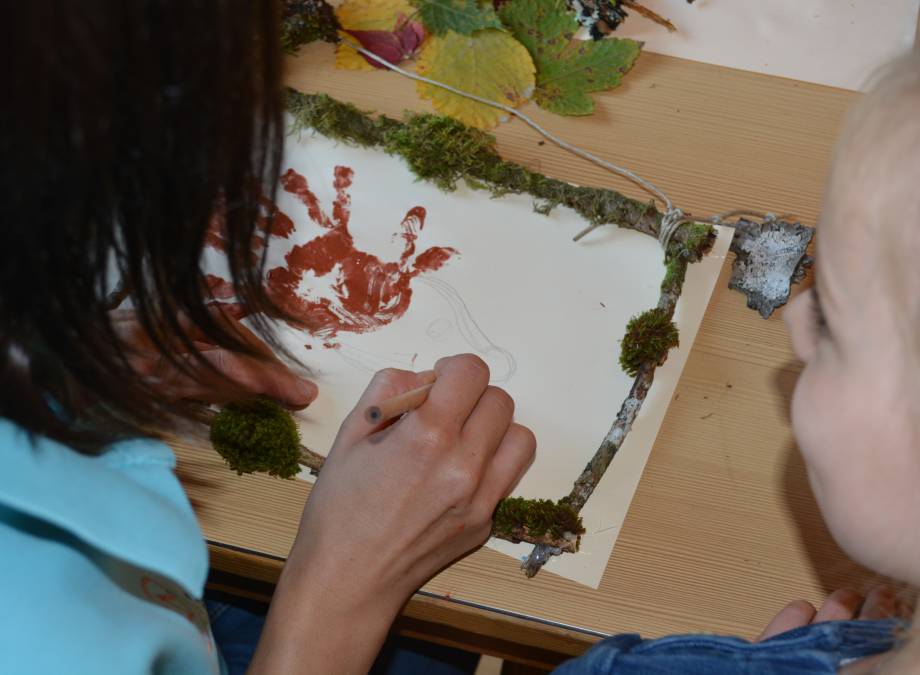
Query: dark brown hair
125	124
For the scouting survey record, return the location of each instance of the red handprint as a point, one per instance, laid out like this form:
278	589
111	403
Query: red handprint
360	292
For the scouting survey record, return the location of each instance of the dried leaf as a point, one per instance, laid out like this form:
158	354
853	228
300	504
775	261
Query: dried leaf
394	46
460	16
567	69
381	26
488	63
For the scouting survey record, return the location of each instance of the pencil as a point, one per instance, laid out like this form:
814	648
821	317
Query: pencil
398	405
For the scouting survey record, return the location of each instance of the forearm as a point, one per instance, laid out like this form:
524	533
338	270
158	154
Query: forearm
315	626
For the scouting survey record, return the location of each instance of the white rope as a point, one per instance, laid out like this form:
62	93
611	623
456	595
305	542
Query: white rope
672	218
670	222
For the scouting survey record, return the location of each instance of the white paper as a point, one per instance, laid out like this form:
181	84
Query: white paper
545	313
832	42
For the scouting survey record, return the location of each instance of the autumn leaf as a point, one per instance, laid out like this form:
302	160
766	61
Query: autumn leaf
488	63
380	26
461	16
393	46
567	69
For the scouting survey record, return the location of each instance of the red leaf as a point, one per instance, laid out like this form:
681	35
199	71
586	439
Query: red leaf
393	46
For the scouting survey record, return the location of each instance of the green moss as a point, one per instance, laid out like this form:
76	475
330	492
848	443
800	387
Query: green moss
674	275
697	240
334	119
257	435
649	337
538	516
444	151
306	21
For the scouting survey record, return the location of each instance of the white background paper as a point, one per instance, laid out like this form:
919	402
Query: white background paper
544	312
834	42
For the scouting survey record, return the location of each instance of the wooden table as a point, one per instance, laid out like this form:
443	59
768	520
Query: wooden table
723	529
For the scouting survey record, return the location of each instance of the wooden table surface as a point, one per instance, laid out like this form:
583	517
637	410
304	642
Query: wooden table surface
723	529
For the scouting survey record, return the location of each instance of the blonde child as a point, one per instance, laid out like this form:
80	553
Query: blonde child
855	412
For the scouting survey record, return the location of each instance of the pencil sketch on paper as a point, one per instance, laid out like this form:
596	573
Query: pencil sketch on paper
441	330
330	286
501	362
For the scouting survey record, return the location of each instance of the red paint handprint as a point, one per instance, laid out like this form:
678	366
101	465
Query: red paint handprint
357	292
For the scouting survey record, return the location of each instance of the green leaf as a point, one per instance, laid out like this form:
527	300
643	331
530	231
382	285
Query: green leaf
460	16
567	69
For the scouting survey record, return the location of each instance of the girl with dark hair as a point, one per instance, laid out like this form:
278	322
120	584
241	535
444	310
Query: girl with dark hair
129	125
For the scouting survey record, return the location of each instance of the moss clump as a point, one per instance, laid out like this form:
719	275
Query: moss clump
536	518
257	435
304	21
649	337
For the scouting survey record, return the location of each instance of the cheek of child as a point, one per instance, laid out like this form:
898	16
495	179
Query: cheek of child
853	409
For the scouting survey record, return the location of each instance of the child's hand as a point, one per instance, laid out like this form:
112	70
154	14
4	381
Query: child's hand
842	605
391	508
236	375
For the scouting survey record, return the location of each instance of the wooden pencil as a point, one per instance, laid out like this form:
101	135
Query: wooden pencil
397	405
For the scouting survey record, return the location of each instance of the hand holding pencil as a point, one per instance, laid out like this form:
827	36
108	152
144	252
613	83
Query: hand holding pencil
403	495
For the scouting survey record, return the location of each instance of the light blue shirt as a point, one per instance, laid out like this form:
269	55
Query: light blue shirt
102	563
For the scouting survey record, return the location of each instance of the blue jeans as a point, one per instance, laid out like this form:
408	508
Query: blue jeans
237	629
819	649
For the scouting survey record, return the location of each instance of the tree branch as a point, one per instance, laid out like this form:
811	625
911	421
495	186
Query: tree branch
649	14
593	472
443	151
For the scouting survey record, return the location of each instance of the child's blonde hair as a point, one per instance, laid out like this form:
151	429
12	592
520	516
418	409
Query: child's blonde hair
878	157
875	185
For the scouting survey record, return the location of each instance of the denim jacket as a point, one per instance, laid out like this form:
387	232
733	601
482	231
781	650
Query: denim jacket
819	649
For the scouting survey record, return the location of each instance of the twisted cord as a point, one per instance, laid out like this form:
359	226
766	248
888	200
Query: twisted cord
673	217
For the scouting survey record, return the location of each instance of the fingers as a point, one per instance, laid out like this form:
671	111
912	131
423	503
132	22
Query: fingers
841	605
126	326
385	384
461	382
487	425
881	603
513	457
794	615
267	378
242	375
227	316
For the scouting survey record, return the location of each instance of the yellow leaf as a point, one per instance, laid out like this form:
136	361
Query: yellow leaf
372	14
347	58
366	15
489	63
